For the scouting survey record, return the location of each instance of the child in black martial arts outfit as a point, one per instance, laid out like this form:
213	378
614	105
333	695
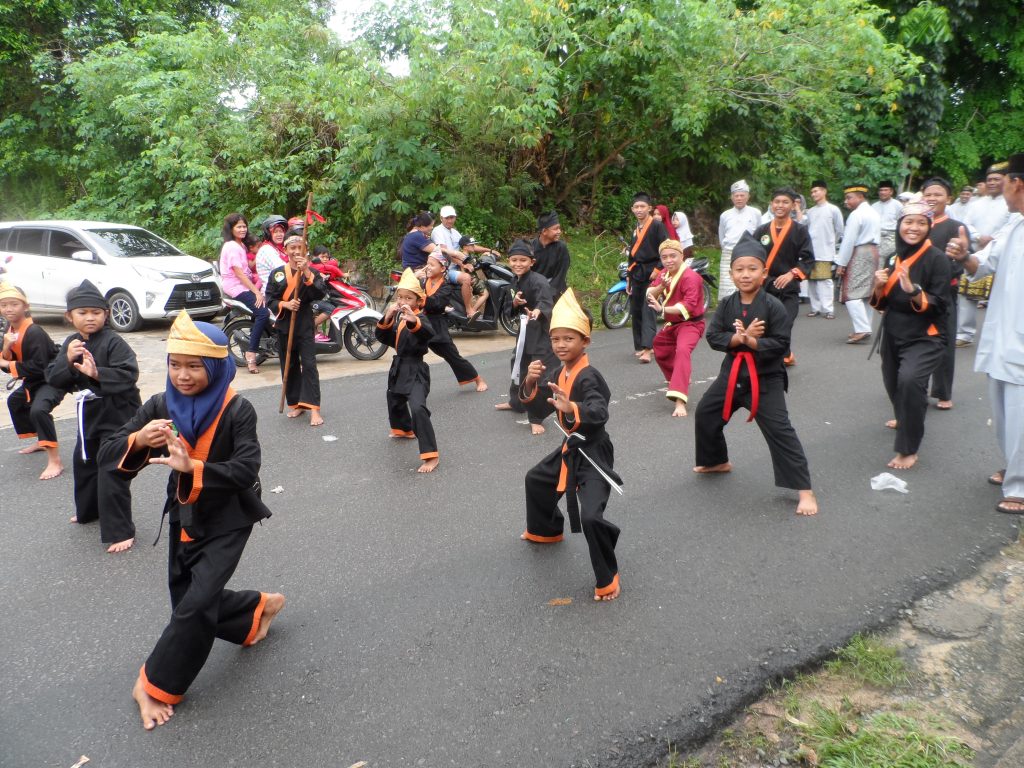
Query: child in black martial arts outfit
100	368
27	352
438	298
295	287
752	328
580	397
206	434
914	294
534	299
405	328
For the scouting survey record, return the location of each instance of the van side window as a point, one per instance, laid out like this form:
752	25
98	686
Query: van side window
63	244
4	234
31	241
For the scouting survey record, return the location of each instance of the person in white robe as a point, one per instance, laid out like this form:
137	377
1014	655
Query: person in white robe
825	224
731	226
857	260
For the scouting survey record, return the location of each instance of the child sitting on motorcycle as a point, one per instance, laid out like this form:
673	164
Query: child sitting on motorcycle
322	262
478	284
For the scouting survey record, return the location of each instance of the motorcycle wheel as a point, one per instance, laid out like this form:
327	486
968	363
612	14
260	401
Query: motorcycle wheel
707	297
361	341
509	319
615	310
238	333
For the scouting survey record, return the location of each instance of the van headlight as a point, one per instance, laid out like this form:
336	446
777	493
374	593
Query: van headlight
151	274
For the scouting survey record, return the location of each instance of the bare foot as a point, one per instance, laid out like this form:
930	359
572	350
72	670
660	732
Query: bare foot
74	519
315	419
32	449
727	467
481	385
944	405
153	712
610	592
808	504
294	413
892	423
121	546
428	465
638	353
503	407
53	469
273	606
644	356
536	429
680	409
903	461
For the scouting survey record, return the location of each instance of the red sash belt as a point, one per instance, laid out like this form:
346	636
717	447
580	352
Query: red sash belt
734	375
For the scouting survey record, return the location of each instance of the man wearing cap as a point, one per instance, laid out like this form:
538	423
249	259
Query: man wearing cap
888	209
857	260
958	210
986	216
731	226
643	260
551	253
447	236
825	224
1001	349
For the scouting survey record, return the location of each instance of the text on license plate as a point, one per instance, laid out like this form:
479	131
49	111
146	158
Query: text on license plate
201	294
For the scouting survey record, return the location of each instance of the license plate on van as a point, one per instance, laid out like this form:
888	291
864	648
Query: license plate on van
200	294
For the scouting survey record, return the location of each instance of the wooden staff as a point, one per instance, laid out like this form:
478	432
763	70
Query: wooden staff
291	324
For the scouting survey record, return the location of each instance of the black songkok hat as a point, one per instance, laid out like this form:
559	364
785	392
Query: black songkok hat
1015	164
819	183
642	197
938	180
785	192
748	246
85	296
546	220
521	248
886	183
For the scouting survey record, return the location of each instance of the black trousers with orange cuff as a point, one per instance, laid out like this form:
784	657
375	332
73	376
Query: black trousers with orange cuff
545	521
409	414
102	492
788	459
202	610
906	367
303	387
32	412
445	348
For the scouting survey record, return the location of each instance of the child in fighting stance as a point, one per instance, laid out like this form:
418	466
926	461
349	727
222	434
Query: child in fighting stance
405	328
579	396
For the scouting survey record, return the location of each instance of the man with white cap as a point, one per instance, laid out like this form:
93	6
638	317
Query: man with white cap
447	236
731	226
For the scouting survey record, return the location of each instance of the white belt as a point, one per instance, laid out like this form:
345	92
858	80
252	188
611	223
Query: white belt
524	320
83	396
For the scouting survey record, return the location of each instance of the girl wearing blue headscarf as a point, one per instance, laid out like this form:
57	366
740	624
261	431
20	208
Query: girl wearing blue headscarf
206	434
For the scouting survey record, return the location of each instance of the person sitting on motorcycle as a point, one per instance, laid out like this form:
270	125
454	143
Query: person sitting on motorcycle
239	284
271	254
322	262
436	304
479	285
448	237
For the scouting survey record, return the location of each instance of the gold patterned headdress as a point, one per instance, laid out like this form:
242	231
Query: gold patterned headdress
186	339
8	291
569	314
410	283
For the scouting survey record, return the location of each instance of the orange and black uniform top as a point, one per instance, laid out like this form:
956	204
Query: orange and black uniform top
904	320
789	250
411	343
439	297
284	284
31	355
771	348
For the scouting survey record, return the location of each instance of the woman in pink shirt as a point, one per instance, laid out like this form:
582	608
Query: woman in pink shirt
239	283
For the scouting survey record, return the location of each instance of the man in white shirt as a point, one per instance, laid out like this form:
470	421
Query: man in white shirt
958	210
825	223
731	226
447	236
986	215
888	209
1001	349
858	259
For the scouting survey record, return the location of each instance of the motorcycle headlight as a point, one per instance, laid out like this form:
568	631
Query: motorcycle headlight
150	274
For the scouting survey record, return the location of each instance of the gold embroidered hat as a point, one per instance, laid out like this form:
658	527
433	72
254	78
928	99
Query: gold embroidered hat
674	245
186	339
915	206
8	291
410	283
569	314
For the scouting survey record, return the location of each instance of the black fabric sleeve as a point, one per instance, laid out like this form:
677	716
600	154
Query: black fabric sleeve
237	472
37	353
114	451
59	373
720	330
121	373
274	290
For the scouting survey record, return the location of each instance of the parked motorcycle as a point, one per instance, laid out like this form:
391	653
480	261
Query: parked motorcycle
497	311
615	308
351	327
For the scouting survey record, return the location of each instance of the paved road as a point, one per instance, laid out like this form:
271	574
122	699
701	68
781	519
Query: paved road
418	629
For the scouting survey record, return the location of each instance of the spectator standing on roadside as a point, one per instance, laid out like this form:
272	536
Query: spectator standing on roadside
731	226
857	260
682	227
644	259
551	253
888	209
825	224
958	210
240	284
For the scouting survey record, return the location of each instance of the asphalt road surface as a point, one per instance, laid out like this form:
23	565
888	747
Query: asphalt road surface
418	629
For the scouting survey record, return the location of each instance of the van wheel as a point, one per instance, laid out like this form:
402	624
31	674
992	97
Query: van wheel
124	312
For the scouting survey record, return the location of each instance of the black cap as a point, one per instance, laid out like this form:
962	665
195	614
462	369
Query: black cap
1015	163
85	296
748	246
546	220
521	248
466	240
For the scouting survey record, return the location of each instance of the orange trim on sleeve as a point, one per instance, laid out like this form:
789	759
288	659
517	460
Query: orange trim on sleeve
602	591
160	695
131	449
256	616
924	303
385	326
414	328
799	273
542	539
197	483
532	397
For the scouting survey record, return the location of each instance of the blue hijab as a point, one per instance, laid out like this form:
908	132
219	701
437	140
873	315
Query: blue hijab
193	414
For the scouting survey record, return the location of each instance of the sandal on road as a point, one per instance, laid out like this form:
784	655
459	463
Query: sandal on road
1011	506
997	478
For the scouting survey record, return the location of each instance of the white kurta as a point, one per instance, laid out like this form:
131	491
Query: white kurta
731	226
888	213
863	227
987	215
825	223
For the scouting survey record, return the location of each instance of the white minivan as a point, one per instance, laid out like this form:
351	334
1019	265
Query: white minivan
143	276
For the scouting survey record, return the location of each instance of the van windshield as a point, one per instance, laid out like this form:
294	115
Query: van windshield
129	243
